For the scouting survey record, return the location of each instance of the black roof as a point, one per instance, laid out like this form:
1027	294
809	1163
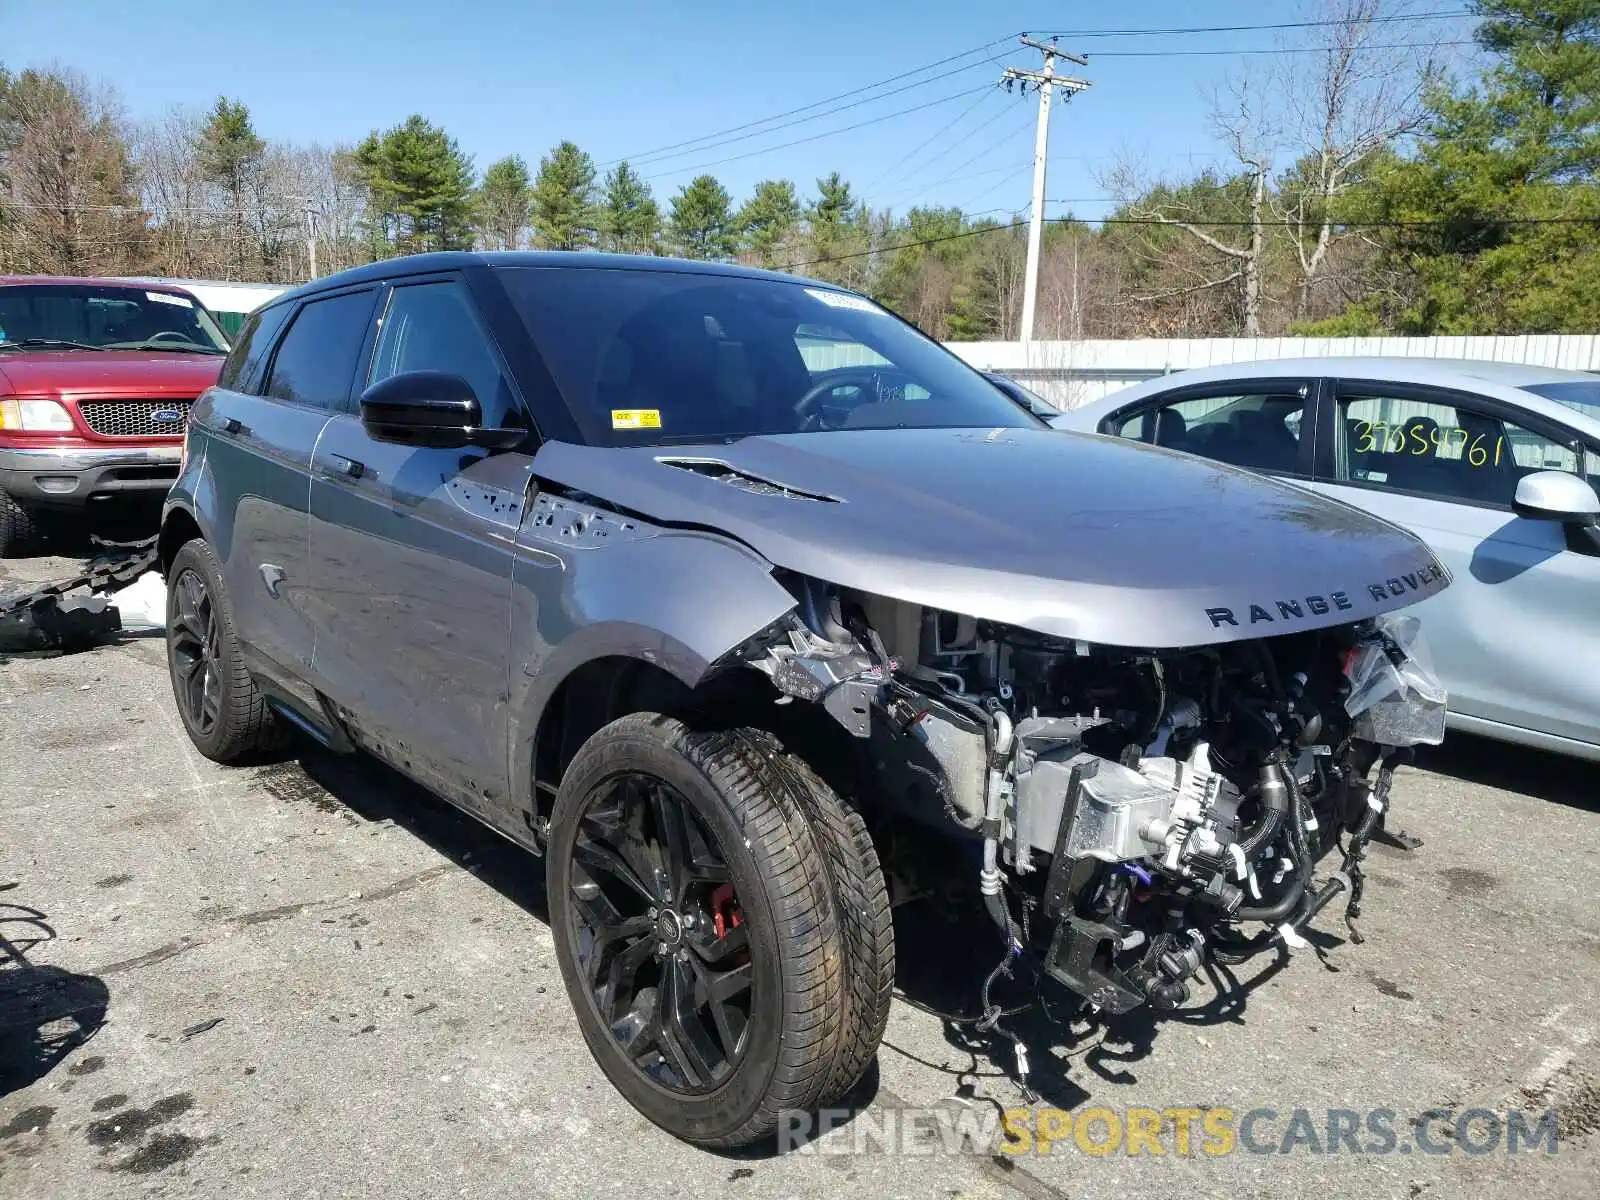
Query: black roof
455	260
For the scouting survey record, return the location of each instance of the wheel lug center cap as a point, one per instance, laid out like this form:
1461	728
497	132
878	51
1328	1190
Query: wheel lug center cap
669	927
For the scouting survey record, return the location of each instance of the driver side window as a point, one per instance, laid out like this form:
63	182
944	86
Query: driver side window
434	327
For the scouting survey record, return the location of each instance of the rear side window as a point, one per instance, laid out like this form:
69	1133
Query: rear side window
242	371
316	361
1259	430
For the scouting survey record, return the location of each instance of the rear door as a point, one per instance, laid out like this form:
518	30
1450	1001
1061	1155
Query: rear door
1513	634
281	386
412	551
1262	424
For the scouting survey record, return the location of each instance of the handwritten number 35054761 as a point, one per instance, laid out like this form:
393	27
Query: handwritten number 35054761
1474	449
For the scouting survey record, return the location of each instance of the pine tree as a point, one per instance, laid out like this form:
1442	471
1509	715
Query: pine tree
564	216
768	220
504	204
630	220
702	220
1490	213
837	224
420	186
230	155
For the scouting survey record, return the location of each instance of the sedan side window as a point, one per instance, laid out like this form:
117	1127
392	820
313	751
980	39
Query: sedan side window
316	361
1442	449
433	327
1259	430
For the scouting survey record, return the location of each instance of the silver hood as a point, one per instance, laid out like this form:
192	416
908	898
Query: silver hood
1072	535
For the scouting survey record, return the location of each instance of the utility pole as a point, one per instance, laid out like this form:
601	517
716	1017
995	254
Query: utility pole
311	235
1046	81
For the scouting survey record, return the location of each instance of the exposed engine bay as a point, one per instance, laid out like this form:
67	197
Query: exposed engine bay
1151	806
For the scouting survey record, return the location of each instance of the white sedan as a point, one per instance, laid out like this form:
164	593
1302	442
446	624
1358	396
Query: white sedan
1494	465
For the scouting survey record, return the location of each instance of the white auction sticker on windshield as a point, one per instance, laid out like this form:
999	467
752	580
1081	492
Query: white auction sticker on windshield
843	300
169	298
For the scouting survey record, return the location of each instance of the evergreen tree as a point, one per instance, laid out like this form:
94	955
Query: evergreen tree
504	204
768	220
630	220
838	226
230	155
702	220
564	216
1486	210
420	186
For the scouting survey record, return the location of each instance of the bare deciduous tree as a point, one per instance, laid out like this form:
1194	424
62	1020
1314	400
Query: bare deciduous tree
1342	106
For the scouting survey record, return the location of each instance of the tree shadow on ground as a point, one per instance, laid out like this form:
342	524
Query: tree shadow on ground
45	1012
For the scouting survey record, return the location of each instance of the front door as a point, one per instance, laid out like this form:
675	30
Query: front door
1513	635
411	551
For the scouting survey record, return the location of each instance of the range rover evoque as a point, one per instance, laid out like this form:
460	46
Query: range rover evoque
689	578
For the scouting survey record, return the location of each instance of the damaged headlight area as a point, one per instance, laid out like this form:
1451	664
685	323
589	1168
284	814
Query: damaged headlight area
1155	808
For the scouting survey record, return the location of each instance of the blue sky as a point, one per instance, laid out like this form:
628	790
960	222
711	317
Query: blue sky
622	77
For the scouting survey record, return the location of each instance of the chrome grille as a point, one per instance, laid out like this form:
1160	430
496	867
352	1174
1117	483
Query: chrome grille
135	418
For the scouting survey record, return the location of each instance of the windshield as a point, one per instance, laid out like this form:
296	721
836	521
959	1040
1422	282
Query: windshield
105	316
648	357
1577	394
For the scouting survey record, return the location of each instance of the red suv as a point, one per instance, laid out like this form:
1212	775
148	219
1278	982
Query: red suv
96	379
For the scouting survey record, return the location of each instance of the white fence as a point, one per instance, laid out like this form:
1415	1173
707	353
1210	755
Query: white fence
1073	373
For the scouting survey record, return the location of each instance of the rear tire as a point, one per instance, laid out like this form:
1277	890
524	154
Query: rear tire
753	864
222	710
19	531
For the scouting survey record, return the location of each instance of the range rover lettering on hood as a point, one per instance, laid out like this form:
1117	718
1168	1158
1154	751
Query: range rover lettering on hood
1302	608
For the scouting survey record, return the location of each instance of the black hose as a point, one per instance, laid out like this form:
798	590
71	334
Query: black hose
1279	910
1274	795
1000	914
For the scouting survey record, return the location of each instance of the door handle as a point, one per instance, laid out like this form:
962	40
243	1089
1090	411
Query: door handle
347	466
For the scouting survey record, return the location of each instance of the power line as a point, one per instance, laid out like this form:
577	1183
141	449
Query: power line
1508	222
869	87
954	145
819	136
1267	50
656	161
1442	14
922	145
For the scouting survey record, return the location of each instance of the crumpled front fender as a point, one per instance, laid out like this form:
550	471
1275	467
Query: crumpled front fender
588	584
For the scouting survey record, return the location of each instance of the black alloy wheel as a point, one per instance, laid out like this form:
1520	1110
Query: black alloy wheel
223	711
658	930
195	647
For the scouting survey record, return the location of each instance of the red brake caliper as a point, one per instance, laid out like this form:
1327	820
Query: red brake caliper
725	914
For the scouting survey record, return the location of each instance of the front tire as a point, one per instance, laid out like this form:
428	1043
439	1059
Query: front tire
695	924
223	711
19	531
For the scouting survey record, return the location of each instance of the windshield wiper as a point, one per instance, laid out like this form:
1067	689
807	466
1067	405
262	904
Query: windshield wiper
159	344
50	343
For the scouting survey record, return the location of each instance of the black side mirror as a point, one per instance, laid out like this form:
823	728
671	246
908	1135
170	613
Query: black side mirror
430	408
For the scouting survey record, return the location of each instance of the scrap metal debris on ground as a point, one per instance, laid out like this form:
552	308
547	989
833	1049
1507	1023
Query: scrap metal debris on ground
53	619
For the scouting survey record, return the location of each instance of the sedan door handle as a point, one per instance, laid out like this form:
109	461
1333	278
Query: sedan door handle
348	466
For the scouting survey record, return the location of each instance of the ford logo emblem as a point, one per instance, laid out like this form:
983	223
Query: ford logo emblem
167	416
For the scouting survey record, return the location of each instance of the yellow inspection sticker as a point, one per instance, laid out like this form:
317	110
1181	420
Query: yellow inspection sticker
636	418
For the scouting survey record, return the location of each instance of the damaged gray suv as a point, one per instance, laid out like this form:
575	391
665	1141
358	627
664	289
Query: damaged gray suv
693	580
